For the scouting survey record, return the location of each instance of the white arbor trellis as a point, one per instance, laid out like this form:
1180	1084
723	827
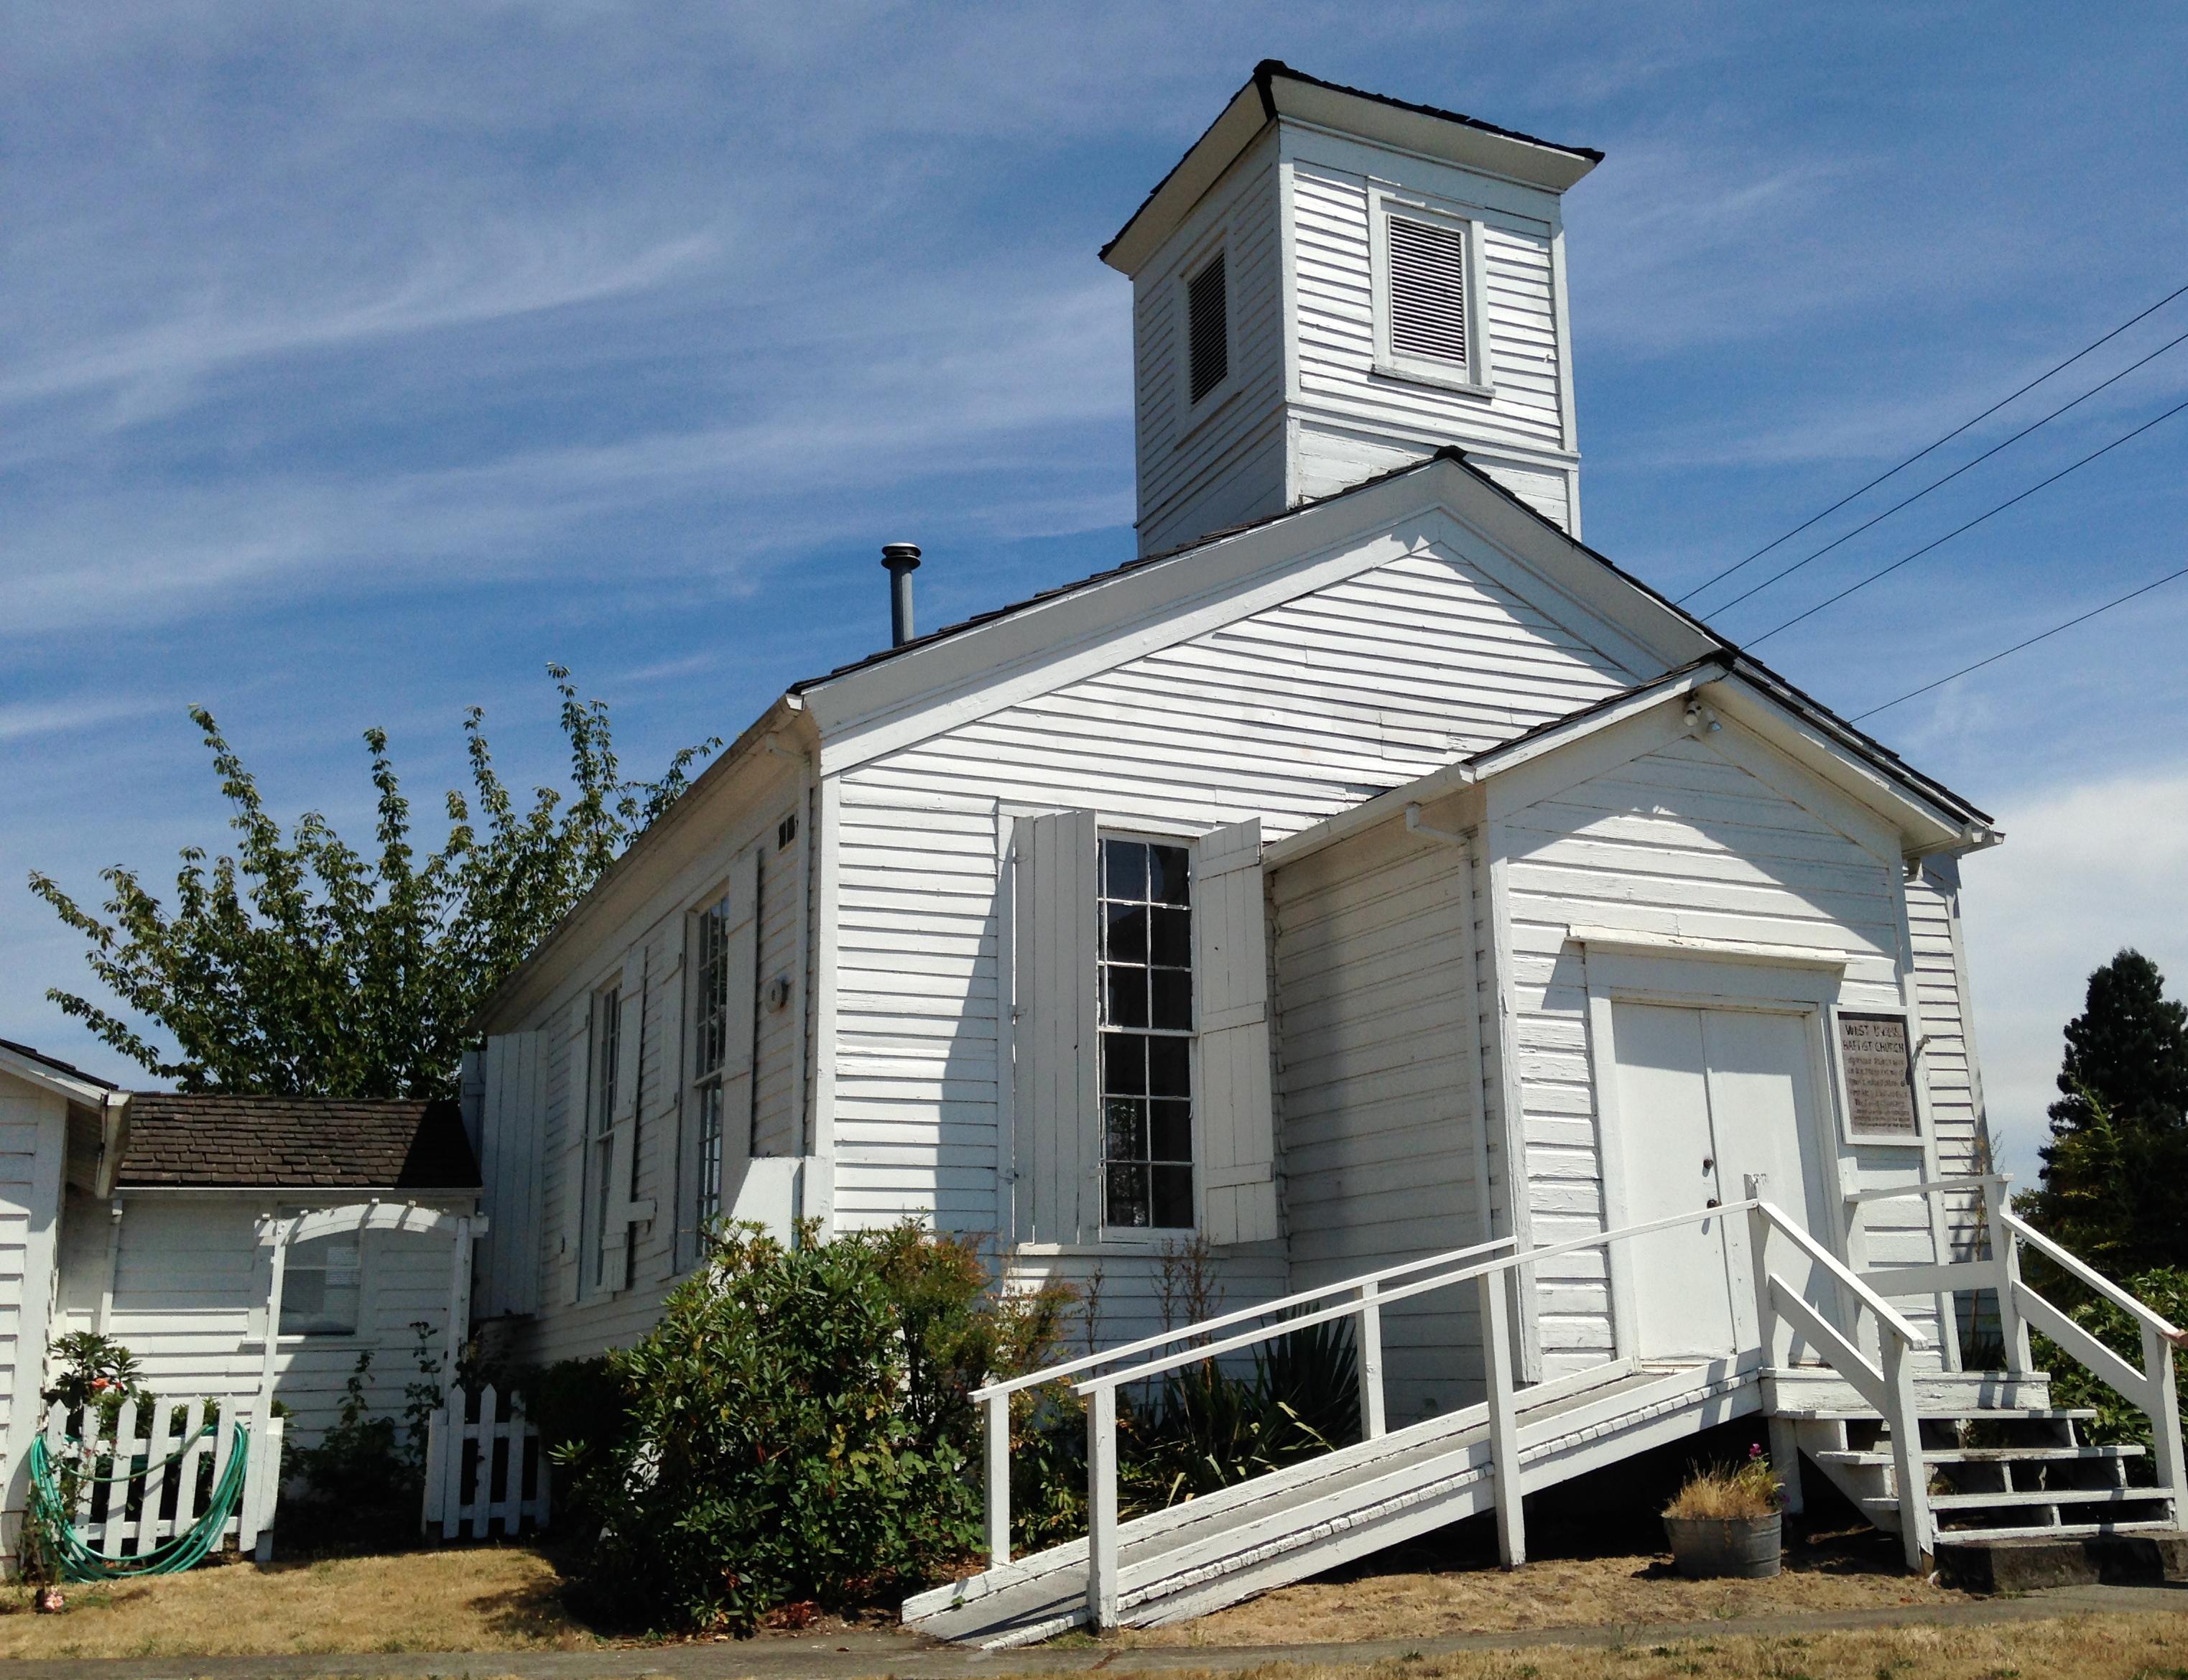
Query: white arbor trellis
284	1231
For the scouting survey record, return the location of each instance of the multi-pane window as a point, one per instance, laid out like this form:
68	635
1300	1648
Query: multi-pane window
1146	1035
320	1288
600	1165
710	1038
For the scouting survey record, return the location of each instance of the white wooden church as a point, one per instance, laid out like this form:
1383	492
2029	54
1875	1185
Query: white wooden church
1371	880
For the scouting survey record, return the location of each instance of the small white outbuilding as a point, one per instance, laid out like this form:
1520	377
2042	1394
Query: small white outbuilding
156	1218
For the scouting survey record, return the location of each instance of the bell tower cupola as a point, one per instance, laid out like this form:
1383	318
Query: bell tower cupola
1331	283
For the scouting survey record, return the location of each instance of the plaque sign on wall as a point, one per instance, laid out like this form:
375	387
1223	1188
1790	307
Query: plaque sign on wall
1880	1075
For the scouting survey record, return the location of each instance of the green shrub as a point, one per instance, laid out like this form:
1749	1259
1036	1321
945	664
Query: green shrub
798	1426
577	1406
1206	1427
795	1428
2118	1420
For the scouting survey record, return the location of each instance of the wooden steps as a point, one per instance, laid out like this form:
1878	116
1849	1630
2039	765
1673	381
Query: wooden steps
2042	1481
1989	1455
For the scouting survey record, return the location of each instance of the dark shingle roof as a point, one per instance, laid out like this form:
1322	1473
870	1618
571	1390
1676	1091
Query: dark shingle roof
57	1064
300	1142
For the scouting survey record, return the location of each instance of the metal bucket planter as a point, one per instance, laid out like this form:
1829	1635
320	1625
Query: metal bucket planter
1708	1548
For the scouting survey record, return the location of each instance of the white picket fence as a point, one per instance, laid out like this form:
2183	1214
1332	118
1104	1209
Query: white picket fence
483	1469
129	1519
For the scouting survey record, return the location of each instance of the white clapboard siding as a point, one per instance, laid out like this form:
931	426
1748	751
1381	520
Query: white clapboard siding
1281	716
1287	715
35	1121
487	1472
1679	840
1222	463
1238	1106
1380	1091
1947	1034
190	1287
1337	325
762	848
778	1116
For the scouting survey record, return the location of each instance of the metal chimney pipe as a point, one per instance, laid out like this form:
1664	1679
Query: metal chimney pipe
902	559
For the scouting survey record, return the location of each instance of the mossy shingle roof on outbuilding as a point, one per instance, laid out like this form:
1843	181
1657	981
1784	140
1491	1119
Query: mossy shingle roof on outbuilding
183	1140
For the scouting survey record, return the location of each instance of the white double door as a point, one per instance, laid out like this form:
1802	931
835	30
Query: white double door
1706	1098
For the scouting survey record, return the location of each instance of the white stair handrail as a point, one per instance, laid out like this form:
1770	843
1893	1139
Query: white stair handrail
1893	1384
2067	1262
1890	1389
2154	1389
1069	1368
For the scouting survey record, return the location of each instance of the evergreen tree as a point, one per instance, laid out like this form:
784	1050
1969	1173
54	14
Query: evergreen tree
300	966
2114	1186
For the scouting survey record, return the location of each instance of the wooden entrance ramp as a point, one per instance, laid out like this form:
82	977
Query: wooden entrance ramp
1931	1454
1285	1526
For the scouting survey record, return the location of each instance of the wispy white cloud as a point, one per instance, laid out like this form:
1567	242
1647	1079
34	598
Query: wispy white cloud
500	274
2086	869
26	720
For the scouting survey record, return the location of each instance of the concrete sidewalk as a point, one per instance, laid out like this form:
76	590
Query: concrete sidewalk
854	1656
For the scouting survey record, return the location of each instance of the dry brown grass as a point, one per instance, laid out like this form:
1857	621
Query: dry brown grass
1393	1603
486	1599
2137	1647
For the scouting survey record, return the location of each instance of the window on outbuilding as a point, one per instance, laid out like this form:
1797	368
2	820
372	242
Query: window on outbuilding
321	1287
1147	1035
1208	327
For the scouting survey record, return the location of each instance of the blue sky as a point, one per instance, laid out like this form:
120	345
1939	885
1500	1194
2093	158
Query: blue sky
356	363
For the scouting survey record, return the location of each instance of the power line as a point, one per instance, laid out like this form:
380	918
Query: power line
2094	344
1978	460
1886	571
2005	652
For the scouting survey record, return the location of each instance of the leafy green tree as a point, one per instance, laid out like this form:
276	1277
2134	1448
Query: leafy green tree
300	965
2114	1186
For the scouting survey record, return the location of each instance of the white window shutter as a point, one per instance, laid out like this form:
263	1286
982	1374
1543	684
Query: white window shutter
577	1086
622	1131
744	999
672	998
1237	1115
512	1145
741	1019
1055	1103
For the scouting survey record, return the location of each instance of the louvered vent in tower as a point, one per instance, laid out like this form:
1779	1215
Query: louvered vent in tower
1208	324
1427	291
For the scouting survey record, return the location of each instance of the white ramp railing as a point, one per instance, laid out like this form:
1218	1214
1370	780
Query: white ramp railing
1780	1306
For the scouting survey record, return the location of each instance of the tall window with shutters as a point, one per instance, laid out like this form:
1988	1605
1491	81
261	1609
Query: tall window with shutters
710	1037
600	1134
1147	1035
1427	286
1137	998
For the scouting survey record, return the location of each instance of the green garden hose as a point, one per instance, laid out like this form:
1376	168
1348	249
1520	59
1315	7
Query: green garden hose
49	1509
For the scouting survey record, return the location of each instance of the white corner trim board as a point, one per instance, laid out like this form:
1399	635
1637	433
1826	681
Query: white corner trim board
1625	942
